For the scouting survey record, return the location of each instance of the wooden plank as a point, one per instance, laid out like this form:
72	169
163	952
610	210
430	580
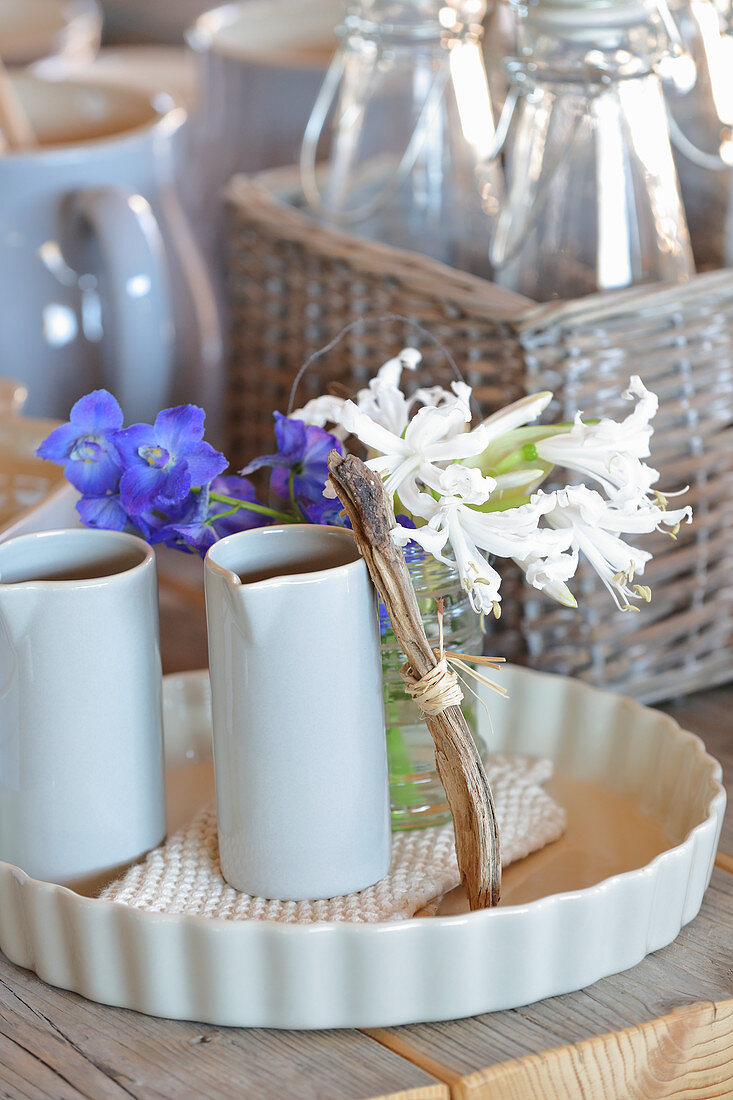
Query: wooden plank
709	714
698	966
57	1045
689	1052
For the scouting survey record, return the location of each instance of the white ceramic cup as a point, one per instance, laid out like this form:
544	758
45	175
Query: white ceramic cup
101	282
299	744
81	749
31	30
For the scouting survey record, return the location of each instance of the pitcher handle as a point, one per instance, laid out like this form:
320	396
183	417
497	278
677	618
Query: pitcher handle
138	360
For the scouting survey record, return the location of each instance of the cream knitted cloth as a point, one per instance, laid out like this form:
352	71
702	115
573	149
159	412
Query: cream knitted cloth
183	875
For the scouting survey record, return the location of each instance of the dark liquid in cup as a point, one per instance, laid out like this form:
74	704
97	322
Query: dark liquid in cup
310	565
108	567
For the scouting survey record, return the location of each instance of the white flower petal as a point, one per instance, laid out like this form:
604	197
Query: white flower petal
320	411
370	433
520	412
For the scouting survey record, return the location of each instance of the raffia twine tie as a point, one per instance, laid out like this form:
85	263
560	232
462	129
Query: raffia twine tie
439	688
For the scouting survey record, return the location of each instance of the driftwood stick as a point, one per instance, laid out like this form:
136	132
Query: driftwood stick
459	766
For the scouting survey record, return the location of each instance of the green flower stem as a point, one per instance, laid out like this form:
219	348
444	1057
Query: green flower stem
249	506
527	453
293	501
222	515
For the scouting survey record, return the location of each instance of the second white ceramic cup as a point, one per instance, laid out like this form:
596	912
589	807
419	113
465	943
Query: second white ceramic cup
299	744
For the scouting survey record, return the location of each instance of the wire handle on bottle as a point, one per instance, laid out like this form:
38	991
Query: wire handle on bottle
314	129
360	323
502	252
712	162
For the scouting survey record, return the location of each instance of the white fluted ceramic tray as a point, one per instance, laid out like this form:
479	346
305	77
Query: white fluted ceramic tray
645	809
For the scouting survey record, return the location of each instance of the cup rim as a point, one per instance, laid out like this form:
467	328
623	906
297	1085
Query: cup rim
337	533
164	120
101	534
203	36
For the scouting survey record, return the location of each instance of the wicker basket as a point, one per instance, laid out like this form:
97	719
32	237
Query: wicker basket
294	285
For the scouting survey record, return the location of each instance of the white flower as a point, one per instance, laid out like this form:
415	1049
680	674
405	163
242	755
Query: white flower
320	411
433	435
468	484
473	533
390	373
610	452
383	400
550	574
597	524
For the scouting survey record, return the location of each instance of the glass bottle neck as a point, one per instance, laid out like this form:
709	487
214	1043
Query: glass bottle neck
589	47
400	22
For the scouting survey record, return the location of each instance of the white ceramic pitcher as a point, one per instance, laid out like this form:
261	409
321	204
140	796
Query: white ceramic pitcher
81	749
299	744
101	283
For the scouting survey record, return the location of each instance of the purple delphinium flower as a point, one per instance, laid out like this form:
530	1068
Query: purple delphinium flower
86	446
185	526
189	527
327	513
243	519
300	461
164	462
105	511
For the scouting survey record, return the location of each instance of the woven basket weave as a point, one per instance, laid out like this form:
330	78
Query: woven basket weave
294	285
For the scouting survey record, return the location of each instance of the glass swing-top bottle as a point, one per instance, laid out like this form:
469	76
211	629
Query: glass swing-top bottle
593	201
407	103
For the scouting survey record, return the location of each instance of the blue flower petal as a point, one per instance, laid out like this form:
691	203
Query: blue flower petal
280	484
242	520
97	477
96	412
318	444
129	441
186	528
265	460
310	484
291	438
179	428
233	486
105	511
59	444
139	488
325	512
176	486
204	463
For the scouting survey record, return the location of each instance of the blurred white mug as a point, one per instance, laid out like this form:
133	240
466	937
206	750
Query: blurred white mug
100	279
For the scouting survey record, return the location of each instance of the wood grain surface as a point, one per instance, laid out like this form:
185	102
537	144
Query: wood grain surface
685	1054
58	1046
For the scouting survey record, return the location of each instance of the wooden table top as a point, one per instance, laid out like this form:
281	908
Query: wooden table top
662	1029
